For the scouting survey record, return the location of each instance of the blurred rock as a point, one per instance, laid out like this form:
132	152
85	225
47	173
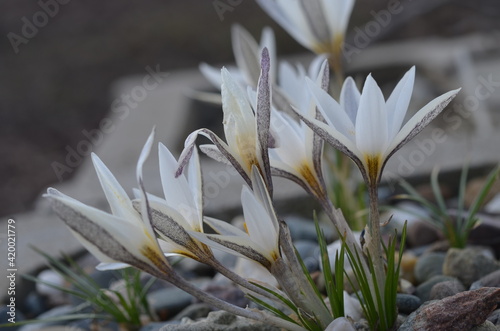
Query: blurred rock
490	280
421	233
423	291
309	252
446	289
469	264
340	324
486	326
462	311
475	185
408	262
220	321
428	266
194	312
407	303
495	317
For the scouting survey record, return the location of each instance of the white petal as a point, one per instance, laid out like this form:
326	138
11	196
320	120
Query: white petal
337	14
371	120
212	74
331	110
267	40
115	194
144	201
398	102
177	191
260	225
111	266
246	53
224	228
288	14
349	98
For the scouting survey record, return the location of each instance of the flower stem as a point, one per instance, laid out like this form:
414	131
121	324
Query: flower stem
374	242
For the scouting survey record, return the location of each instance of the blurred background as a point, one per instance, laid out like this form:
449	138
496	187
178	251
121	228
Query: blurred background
55	80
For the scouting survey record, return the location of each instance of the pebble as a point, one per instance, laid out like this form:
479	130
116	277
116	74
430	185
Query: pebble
194	312
469	264
54	295
428	266
490	280
407	303
309	252
171	300
486	326
220	321
446	289
421	233
305	229
423	291
408	263
462	311
340	324
54	312
4	317
495	317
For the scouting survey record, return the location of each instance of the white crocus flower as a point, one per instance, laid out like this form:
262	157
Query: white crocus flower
118	239
298	151
246	131
260	242
368	128
318	25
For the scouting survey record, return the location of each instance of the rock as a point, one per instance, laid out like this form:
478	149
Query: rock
495	317
155	326
423	291
103	279
462	311
54	312
486	326
407	303
304	228
54	296
428	266
468	264
493	206
169	301
309	252
421	233
5	316
228	293
340	324
446	289
408	262
194	312
487	231
490	280
473	188
35	304
220	321
352	307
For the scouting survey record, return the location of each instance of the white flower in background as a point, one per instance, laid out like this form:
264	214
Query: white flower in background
319	25
260	242
247	53
368	128
118	239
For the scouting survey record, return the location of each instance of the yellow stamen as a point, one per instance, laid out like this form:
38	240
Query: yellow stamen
373	164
